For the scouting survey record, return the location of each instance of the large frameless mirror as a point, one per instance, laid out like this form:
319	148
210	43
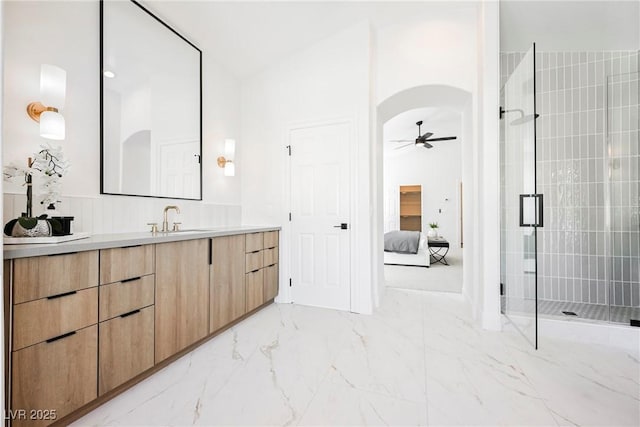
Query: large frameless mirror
151	106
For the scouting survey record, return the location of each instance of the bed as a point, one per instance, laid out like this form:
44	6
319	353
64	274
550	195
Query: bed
400	247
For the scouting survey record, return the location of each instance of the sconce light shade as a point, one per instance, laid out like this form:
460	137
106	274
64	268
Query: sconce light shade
53	85
52	125
226	161
230	169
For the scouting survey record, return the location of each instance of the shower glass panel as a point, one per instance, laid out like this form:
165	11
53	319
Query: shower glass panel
521	205
624	194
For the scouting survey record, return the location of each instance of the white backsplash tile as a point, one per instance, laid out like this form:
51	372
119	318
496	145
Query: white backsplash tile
119	214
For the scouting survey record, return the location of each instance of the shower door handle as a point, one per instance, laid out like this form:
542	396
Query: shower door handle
535	204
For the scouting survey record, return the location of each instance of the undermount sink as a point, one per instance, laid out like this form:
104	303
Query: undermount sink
184	231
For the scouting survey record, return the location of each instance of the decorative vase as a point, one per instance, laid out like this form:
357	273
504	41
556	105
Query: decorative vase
433	232
42	228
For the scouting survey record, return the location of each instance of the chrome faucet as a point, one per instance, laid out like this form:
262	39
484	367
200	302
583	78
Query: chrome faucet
165	223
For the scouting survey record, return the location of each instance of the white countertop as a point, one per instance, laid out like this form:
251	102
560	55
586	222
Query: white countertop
106	241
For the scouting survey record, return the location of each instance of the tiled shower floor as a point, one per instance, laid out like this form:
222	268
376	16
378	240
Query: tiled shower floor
619	314
599	312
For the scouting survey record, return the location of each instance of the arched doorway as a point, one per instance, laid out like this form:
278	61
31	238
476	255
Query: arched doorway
429	97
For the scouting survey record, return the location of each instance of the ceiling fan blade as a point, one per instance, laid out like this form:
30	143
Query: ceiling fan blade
426	135
444	138
402	146
400	140
427	145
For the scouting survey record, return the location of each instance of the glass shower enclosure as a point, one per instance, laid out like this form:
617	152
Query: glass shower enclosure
576	254
522	206
623	164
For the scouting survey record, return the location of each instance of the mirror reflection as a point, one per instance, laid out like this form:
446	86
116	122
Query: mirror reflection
151	106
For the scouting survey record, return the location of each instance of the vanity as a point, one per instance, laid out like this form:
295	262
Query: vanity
87	319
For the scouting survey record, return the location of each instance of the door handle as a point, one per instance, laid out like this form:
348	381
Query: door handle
343	226
538	208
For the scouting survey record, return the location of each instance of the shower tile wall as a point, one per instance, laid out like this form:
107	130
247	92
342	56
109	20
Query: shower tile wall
572	173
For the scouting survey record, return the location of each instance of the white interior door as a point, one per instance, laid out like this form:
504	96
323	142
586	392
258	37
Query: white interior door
180	171
320	183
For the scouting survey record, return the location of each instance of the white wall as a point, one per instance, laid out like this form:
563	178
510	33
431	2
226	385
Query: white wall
575	25
437	49
459	50
439	172
67	34
487	292
434	61
328	80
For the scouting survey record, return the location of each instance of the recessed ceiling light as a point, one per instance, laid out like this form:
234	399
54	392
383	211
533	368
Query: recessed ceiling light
109	74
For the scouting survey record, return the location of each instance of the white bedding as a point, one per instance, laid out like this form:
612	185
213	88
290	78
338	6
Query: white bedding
420	259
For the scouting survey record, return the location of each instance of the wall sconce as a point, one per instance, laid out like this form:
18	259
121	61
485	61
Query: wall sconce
53	85
226	161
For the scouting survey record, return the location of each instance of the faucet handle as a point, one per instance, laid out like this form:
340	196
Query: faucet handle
154	226
176	226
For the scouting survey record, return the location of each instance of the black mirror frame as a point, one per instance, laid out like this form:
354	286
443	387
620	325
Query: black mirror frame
102	104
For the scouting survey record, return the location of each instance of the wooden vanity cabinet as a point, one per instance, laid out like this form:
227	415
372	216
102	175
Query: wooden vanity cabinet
182	295
261	267
82	324
227	297
55	377
124	263
126	330
255	289
270	282
43	276
270	264
54	349
126	347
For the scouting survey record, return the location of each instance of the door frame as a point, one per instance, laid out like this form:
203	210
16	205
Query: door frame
287	295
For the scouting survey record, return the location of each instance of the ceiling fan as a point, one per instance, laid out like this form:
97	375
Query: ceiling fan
422	140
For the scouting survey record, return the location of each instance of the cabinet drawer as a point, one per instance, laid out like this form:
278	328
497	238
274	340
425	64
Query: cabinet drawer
270	239
58	375
125	263
253	261
126	348
270	256
43	276
253	242
40	320
270	282
123	297
254	283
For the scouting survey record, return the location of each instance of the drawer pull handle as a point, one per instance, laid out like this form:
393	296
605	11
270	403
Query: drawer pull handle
253	271
68	334
66	253
132	246
271	265
130	280
131	313
255	252
62	295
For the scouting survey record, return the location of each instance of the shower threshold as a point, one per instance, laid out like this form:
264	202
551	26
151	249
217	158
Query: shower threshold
585	311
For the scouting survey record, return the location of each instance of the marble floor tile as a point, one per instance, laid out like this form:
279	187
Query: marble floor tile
420	359
581	384
337	404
